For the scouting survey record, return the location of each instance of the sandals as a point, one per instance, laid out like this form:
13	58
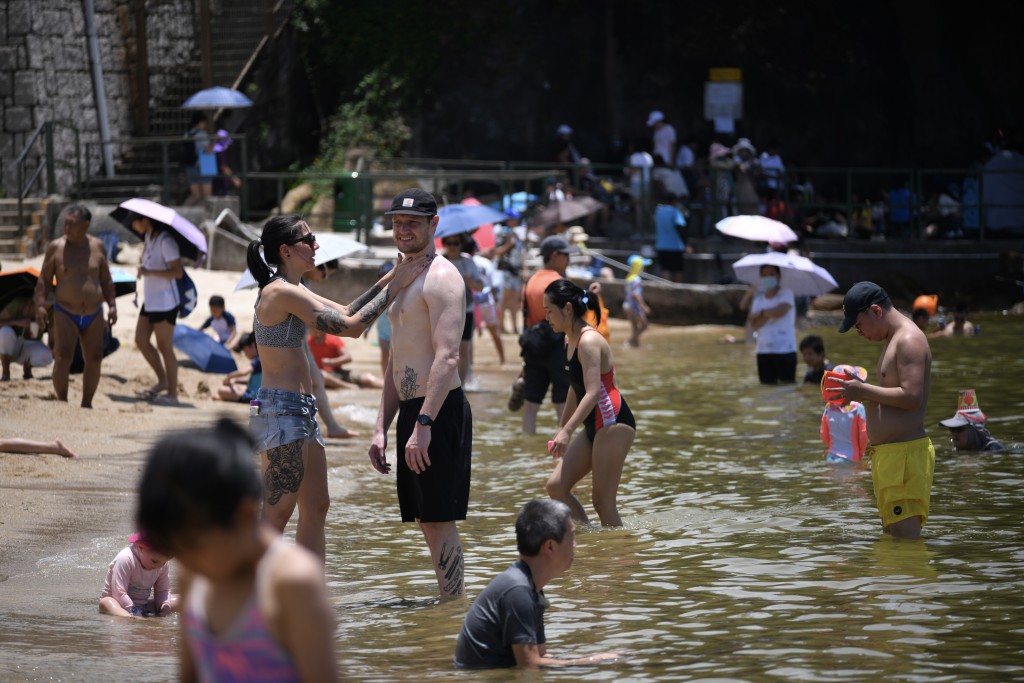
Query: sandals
515	399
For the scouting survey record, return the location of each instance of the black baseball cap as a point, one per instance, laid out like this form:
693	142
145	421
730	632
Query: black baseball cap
413	202
858	299
555	244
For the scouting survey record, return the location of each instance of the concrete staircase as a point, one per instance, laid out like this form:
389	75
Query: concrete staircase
237	27
15	243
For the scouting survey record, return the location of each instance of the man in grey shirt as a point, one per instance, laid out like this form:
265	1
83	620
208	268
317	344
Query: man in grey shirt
505	625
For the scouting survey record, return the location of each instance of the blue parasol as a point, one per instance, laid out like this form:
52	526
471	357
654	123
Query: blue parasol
459	218
203	350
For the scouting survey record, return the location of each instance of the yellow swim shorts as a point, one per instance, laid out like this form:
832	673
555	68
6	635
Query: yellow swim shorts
902	477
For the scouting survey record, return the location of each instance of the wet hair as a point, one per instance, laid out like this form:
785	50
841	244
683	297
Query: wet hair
277	231
813	341
194	480
562	292
80	211
538	521
217	300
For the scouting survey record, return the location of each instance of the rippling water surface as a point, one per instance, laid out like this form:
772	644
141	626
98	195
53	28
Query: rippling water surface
744	555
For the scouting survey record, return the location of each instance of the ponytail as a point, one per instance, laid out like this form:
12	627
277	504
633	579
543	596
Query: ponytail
257	266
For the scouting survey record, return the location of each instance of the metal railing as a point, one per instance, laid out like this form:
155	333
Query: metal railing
45	161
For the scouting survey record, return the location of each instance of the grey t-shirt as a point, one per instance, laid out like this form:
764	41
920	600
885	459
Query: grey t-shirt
507	612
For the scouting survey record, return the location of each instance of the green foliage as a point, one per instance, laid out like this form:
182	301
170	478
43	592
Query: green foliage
371	122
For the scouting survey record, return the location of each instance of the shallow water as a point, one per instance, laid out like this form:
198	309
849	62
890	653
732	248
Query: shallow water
744	556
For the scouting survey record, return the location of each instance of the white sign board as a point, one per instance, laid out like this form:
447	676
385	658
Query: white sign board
723	100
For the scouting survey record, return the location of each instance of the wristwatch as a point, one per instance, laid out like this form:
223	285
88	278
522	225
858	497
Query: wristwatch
425	420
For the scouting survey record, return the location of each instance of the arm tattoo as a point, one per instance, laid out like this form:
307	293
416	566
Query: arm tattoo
330	321
450	562
409	384
284	471
364	298
372	310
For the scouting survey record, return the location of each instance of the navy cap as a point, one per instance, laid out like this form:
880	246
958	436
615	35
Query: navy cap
413	202
859	298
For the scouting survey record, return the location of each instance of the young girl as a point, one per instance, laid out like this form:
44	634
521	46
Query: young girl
255	607
283	420
138	581
844	425
159	268
594	402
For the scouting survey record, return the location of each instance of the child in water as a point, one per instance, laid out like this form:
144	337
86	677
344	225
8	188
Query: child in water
633	302
254	606
844	424
138	582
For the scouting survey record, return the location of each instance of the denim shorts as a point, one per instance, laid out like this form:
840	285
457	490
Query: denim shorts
284	417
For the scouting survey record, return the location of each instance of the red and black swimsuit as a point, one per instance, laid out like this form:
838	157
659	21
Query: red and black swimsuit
611	408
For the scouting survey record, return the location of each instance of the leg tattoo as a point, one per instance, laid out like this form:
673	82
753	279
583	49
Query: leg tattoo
450	562
284	471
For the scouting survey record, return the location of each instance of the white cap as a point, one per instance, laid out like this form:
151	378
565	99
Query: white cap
655	117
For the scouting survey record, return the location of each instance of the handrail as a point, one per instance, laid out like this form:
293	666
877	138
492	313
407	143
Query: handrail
47	162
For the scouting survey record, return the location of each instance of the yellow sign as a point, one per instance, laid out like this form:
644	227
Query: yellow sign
725	74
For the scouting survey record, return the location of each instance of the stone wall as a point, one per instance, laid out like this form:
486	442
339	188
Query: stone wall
45	74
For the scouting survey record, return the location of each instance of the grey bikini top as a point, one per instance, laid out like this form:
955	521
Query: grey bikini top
290	333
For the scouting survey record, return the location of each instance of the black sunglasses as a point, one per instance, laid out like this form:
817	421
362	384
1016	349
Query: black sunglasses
309	239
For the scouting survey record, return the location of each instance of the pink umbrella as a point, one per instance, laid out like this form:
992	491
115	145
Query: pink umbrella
190	239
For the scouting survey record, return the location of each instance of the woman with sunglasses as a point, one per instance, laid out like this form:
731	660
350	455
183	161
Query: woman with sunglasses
283	416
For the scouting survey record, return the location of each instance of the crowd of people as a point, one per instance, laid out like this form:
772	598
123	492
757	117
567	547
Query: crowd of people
202	502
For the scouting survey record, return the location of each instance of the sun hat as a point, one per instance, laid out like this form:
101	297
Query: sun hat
140	539
637	258
929	302
967	411
413	202
859	298
744	143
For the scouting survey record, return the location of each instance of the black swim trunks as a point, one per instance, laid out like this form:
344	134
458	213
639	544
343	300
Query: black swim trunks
441	493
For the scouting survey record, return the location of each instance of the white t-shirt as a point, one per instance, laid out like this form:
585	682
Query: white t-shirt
665	143
779	335
159	293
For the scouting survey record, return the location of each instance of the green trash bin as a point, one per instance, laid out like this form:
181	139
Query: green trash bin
352	203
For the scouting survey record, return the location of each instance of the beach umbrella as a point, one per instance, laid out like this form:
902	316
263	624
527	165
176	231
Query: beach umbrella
203	350
191	240
459	218
217	97
797	273
756	229
14	283
565	211
332	246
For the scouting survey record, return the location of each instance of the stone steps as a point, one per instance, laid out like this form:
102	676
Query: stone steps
14	242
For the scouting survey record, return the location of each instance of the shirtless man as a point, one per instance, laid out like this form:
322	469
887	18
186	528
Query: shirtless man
422	386
902	456
79	263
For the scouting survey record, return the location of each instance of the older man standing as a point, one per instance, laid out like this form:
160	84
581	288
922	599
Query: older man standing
78	262
902	455
421	385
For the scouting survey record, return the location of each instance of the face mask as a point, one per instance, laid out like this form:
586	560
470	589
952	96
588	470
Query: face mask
768	283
